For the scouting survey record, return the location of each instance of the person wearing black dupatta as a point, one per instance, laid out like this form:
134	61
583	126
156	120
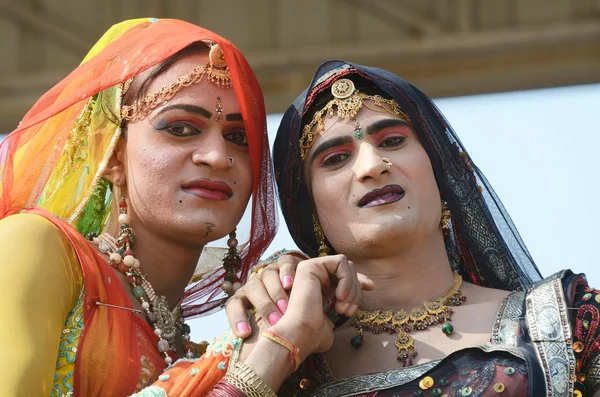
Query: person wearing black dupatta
368	167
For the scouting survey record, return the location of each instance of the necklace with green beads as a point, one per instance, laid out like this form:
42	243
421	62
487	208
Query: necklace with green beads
402	323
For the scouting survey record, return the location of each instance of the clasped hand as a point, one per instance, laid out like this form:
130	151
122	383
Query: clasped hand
288	296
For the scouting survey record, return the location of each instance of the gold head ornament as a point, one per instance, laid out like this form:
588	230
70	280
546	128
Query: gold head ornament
348	101
216	72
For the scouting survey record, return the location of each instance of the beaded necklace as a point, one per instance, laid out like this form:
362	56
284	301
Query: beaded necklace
164	321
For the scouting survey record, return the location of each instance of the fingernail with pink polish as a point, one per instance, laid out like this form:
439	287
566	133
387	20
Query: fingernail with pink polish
345	295
273	318
282	305
287	281
243	328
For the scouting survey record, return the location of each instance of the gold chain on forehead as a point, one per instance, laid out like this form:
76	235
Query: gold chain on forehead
216	72
348	101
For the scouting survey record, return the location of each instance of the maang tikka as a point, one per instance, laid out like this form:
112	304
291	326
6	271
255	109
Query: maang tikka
219	110
346	103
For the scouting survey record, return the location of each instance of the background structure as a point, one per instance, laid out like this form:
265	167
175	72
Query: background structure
445	47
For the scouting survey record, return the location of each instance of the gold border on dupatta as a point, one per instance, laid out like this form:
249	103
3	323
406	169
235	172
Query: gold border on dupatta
105	159
506	327
550	332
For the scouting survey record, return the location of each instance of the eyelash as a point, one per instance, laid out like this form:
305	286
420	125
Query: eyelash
170	129
230	136
388	142
399	140
327	162
244	142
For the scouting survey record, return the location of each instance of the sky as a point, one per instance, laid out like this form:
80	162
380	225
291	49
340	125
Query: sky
539	150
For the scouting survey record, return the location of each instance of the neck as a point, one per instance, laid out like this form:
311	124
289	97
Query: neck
168	265
407	277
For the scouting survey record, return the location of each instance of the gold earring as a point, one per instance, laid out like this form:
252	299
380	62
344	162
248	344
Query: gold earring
323	247
446	217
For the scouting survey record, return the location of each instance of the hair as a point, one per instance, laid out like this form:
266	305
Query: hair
140	84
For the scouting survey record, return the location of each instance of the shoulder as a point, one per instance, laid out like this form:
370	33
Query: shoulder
35	250
31	227
477	293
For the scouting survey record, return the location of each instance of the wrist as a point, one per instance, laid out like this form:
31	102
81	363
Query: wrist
296	337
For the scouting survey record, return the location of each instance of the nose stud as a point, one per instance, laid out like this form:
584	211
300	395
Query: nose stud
231	161
387	162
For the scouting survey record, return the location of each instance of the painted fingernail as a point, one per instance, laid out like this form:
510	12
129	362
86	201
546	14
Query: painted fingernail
273	318
345	295
287	281
243	328
282	305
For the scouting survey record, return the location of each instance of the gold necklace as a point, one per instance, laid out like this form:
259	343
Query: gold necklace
402	323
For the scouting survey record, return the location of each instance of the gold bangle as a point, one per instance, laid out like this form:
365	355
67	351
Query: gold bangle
258	269
248	382
280	340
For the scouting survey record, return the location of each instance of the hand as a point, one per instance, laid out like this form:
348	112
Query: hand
317	280
266	291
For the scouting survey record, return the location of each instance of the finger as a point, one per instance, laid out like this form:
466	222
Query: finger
236	309
259	297
346	278
349	305
272	283
287	270
365	282
338	271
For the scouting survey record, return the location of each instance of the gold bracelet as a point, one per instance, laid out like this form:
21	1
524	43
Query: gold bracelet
281	341
248	382
258	269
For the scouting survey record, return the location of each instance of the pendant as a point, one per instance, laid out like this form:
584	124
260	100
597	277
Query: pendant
358	132
357	341
447	329
165	320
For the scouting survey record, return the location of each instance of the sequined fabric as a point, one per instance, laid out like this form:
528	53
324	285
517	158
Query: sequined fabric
67	351
498	368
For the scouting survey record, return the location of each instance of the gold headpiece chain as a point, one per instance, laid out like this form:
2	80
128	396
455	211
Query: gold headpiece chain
348	101
216	71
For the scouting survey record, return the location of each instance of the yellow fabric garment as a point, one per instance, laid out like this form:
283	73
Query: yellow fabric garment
40	284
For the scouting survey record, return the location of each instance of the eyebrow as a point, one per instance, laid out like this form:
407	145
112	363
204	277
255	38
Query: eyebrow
385	123
234	117
199	110
338	141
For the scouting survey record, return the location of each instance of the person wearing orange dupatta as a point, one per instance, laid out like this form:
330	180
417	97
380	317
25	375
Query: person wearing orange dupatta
88	318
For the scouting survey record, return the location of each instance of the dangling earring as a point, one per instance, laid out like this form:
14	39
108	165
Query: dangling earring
232	263
323	247
446	217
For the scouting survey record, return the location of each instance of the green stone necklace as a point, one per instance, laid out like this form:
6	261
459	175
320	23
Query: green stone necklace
402	323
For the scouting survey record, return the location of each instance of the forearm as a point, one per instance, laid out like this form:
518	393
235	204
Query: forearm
271	362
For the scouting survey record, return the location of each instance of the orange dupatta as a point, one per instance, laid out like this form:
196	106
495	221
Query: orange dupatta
108	357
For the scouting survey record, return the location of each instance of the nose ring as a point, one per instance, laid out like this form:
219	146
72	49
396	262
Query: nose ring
231	161
387	162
